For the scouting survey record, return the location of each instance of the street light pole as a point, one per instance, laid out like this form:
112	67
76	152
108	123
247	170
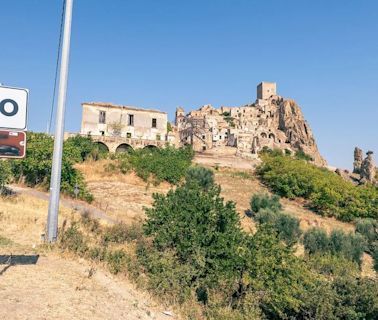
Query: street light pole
52	219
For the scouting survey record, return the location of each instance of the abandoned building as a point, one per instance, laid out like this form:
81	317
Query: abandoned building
122	127
271	121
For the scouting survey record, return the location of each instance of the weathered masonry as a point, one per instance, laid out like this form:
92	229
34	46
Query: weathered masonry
121	127
105	119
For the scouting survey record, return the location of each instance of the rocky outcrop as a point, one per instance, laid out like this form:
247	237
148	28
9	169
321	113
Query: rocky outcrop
368	168
357	160
297	130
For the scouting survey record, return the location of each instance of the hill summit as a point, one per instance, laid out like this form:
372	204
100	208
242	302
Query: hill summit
270	122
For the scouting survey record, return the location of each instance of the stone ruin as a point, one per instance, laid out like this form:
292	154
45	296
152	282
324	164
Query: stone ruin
270	122
364	170
368	169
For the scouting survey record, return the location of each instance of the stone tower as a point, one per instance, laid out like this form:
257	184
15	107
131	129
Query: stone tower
179	117
357	160
266	89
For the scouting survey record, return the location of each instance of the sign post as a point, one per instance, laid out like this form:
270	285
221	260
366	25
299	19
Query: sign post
52	219
13	119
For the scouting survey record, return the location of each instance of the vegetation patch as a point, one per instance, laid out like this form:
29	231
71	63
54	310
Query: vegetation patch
328	193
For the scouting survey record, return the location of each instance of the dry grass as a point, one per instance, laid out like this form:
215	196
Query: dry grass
23	219
59	287
121	196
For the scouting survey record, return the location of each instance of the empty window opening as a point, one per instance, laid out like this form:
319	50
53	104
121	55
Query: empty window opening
102	117
154	123
130	121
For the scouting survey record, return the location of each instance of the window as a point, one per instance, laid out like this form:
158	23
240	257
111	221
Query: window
102	117
153	122
102	133
158	137
128	135
130	121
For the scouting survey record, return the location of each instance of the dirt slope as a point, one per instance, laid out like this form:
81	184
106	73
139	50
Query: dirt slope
59	287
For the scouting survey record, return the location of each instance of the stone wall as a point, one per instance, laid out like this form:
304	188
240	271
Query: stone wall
144	124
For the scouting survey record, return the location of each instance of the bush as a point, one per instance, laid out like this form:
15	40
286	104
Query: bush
167	164
200	175
121	233
349	246
328	193
301	155
264	201
203	230
35	168
374	253
79	149
286	225
73	240
316	240
5	174
368	228
117	261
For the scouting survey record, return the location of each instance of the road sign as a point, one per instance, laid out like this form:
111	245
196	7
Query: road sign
12	144
13	108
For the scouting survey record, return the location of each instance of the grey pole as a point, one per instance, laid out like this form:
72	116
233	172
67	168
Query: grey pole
52	219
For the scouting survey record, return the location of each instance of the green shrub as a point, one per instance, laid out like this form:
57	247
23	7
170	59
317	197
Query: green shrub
374	253
350	246
328	193
166	164
368	228
79	149
35	168
200	175
264	201
316	240
301	155
117	261
287	226
73	240
121	233
5	174
199	226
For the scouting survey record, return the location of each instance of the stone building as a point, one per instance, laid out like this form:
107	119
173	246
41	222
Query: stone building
271	121
110	120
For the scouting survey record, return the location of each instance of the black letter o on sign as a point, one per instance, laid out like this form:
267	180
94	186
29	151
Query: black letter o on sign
2	107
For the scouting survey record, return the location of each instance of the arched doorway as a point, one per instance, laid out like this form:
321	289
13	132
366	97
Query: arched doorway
124	147
102	147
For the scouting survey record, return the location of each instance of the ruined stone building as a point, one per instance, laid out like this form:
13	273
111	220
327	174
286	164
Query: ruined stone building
366	168
271	121
110	120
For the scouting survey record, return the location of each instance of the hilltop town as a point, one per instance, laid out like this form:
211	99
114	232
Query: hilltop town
270	122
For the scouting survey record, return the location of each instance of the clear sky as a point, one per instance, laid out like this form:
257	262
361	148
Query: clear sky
166	53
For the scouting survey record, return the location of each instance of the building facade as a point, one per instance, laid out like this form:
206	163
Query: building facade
110	120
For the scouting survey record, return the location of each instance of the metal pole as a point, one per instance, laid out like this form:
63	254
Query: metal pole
52	219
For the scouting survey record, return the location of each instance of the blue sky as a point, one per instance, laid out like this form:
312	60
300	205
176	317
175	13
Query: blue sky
161	54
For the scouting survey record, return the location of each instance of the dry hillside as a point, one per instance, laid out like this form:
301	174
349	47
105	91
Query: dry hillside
58	286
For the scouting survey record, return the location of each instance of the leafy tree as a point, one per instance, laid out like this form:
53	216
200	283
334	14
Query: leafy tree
199	227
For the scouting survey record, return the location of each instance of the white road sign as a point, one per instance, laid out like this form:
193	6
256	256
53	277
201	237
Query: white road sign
13	108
